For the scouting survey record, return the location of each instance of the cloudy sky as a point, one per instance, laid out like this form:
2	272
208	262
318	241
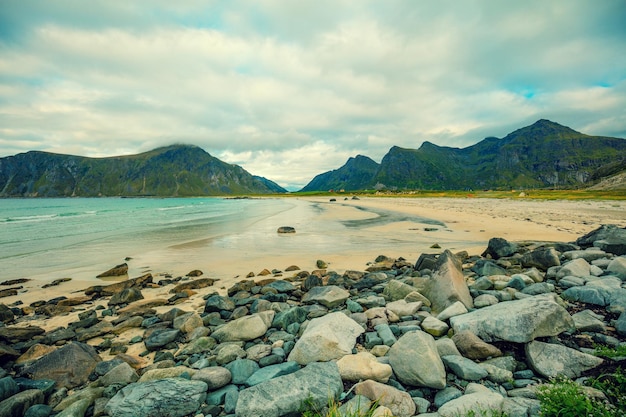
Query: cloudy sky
289	89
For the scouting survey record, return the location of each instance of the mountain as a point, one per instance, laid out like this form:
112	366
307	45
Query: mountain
177	170
544	154
356	174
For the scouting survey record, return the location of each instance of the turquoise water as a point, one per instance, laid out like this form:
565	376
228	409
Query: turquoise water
39	236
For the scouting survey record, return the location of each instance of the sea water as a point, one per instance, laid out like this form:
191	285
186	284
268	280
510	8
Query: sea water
39	237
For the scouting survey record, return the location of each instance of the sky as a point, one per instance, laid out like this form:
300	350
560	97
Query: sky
290	89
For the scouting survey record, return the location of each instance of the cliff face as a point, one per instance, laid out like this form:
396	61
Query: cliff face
544	154
178	170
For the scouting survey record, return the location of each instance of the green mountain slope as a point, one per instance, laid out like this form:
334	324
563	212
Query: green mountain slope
178	170
545	154
355	174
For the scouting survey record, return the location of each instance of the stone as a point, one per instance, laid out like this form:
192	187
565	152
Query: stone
217	303
473	403
455	309
169	397
122	374
542	258
215	377
6	314
464	368
17	404
330	296
496	374
283	319
499	248
188	322
272	371
85	397
355	406
326	338
69	366
485	300
106	290
116	271
256	352
363	366
19	334
126	296
620	324
472	347
317	383
400	403
448	285
517	321
39	410
402	308
286	229
228	353
588	294
551	360
445	395
588	321
577	267
445	346
165	373
385	334
200	345
8	388
617	267
194	284
245	328
159	338
397	290
434	326
241	370
415	361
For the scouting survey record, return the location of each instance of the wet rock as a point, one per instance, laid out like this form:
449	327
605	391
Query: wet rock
551	360
170	397
69	366
317	383
415	361
325	338
516	321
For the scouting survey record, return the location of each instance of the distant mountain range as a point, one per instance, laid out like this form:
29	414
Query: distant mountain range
178	170
545	154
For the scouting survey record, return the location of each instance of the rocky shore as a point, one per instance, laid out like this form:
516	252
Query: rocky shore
445	335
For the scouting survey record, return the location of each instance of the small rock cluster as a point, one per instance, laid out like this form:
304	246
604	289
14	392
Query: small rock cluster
446	336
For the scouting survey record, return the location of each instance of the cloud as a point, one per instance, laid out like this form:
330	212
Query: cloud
291	89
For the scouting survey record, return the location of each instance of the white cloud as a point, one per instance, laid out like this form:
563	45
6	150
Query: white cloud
291	89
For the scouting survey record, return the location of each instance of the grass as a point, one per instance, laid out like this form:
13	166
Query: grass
309	409
610	352
613	384
563	397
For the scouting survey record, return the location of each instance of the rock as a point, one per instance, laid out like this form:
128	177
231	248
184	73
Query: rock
609	238
215	377
123	374
8	388
200	345
166	373
126	296
617	267
516	321
415	361
286	229
217	303
551	360
39	410
577	267
160	338
472	347
76	409
589	295
317	383
193	285
229	352
69	366
85	396
188	322
397	290
402	308
620	324
499	248
272	371
169	397
455	309
542	258
445	346
245	328
6	314
588	321
325	338
329	296
434	326
496	374
20	334
400	403
464	368
116	271
448	285
477	400
363	366
355	406
284	319
20	402
105	290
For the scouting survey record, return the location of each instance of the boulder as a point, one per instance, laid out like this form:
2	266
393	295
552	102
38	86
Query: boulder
464	368
69	366
551	360
499	248
20	402
316	384
517	321
330	296
472	347
415	360
363	366
245	328
159	338
617	267
326	338
577	267
215	377
194	284
126	296
448	285
542	258
476	401
169	397
399	402
105	290
116	271
272	371
217	303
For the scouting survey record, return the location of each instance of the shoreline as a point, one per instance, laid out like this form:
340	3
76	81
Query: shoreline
465	224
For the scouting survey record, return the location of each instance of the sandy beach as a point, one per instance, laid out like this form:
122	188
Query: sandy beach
387	226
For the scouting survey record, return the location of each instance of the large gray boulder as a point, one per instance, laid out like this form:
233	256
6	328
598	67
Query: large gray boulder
415	360
551	360
516	321
317	383
542	258
245	328
68	366
476	401
330	296
326	338
169	397
447	286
